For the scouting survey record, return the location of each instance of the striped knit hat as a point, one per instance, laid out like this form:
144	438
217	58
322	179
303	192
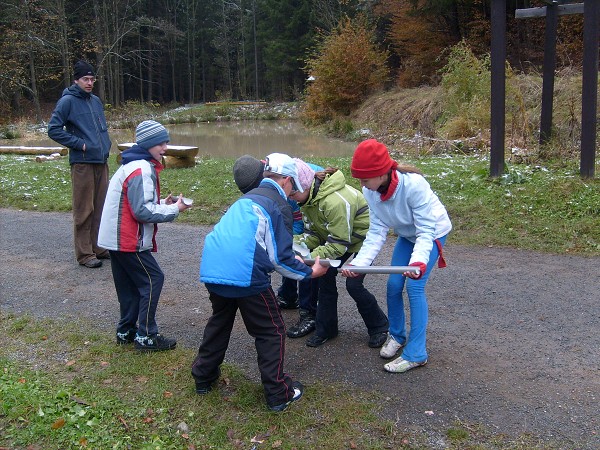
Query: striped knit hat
150	133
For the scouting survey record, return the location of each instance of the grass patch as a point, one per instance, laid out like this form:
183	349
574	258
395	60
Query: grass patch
66	387
536	207
72	389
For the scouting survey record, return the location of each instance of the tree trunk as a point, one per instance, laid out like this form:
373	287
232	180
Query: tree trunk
100	72
32	71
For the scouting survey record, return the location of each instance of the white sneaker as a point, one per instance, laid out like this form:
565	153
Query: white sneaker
390	348
400	365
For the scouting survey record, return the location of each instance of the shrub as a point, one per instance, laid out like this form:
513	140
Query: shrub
465	85
347	67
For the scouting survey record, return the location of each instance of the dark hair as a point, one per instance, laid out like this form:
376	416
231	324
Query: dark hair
321	174
407	168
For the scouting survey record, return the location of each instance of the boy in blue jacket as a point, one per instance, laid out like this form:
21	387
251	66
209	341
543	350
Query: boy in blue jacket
247	174
251	240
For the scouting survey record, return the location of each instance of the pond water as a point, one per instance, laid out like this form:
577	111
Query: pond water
233	139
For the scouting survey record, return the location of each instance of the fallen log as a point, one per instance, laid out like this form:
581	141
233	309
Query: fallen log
25	150
52	157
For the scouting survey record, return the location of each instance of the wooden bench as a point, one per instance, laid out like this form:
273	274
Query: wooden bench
176	156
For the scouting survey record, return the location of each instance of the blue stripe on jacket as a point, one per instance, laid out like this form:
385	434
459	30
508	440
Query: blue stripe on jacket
248	243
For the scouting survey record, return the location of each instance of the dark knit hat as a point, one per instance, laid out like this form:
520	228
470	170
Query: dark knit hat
82	69
247	173
371	159
150	133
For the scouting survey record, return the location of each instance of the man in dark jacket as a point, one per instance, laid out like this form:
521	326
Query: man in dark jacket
78	123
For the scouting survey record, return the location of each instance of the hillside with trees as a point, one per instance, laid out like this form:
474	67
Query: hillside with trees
193	51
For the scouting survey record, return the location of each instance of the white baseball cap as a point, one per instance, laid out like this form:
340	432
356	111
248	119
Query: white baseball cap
283	165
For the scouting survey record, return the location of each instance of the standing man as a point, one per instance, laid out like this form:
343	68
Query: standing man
78	123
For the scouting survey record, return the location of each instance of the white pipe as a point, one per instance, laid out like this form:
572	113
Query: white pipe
300	250
381	269
324	262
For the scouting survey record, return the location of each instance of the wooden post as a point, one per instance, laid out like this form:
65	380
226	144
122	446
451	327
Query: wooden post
548	74
498	82
589	92
589	104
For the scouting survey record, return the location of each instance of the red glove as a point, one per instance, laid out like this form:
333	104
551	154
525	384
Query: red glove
422	269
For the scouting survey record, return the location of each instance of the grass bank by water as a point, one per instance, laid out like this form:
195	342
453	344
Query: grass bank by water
545	208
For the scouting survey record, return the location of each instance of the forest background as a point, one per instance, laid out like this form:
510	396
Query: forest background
194	51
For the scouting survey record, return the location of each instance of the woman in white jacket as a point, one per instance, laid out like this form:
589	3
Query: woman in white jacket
400	199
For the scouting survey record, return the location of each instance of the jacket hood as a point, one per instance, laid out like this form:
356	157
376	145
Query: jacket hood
135	153
76	91
330	184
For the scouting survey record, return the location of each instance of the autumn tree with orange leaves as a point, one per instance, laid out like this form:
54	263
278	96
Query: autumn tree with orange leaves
346	68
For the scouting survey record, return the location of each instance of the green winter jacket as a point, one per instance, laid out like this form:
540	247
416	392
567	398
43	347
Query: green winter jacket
336	218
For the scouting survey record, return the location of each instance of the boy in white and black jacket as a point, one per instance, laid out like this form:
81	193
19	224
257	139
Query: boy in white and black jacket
128	228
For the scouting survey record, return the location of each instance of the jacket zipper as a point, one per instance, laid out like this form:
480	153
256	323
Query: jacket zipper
94	118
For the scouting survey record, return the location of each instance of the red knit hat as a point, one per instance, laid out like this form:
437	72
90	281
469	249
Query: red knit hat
371	159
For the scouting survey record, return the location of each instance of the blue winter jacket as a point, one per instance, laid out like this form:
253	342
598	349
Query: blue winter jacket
78	119
248	243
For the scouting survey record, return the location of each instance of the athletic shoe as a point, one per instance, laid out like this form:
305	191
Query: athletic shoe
285	303
154	343
315	340
126	338
92	263
377	340
400	365
305	325
205	387
298	391
390	348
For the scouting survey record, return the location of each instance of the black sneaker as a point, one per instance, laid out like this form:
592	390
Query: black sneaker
315	340
298	391
126	338
305	325
377	340
287	303
154	343
204	387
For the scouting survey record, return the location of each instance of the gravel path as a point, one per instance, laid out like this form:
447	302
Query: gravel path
514	338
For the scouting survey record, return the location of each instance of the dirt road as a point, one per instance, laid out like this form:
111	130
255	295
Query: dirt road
513	338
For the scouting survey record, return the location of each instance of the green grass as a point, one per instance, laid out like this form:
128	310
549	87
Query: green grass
63	386
544	208
91	393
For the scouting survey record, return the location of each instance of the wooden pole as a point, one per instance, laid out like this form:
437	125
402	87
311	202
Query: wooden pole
498	85
589	91
549	68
